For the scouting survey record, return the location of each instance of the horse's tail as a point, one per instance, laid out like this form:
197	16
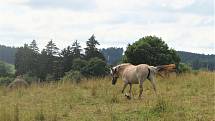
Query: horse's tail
169	67
159	69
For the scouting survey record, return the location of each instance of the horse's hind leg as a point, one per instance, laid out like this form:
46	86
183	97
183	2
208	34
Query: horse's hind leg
141	91
152	80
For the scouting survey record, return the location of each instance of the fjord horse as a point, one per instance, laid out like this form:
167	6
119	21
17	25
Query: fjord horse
135	74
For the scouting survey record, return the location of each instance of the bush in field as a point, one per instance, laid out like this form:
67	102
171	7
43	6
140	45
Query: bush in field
78	64
95	67
184	68
73	76
83	68
6	69
6	80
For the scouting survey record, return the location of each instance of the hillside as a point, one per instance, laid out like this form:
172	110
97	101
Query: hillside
198	61
7	54
113	56
188	97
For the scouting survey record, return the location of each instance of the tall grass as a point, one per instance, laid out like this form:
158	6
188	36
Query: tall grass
180	98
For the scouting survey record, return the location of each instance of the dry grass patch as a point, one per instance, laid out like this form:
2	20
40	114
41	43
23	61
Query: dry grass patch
181	98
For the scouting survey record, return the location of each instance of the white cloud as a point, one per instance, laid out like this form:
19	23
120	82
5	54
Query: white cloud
115	23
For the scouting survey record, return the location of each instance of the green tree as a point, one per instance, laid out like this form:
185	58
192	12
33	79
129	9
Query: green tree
67	58
53	67
76	49
57	68
34	58
43	65
91	51
51	48
24	60
34	47
150	50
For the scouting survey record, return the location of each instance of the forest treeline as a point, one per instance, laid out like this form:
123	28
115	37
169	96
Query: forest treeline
198	61
53	64
114	55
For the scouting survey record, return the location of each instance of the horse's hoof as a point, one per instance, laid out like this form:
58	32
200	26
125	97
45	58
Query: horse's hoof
129	97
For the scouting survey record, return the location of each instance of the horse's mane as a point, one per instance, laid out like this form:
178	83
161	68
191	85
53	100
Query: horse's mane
123	64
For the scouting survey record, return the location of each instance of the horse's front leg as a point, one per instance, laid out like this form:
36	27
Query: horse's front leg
129	95
130	89
123	89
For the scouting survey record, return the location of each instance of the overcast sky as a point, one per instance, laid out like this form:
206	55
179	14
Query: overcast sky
186	25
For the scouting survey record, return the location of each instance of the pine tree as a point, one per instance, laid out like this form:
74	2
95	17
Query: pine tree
67	58
24	60
35	58
51	51
91	51
51	48
43	65
34	47
76	49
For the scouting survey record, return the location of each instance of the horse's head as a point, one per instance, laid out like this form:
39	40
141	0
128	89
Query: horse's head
115	74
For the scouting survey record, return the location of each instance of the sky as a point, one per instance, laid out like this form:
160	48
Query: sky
185	25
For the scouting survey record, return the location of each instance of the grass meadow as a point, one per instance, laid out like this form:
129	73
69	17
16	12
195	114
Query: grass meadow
188	97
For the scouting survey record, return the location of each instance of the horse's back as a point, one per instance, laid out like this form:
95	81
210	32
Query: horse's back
136	73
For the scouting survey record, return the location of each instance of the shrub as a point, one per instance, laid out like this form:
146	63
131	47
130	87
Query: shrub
184	68
73	76
95	67
78	64
6	69
6	80
50	77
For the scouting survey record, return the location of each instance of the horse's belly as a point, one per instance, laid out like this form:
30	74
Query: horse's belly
135	82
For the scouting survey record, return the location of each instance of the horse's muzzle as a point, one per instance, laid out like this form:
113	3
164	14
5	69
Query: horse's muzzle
114	80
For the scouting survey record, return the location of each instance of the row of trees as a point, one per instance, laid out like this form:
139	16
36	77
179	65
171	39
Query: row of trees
52	63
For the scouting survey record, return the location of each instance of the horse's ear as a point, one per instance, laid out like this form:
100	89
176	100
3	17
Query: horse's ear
111	70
